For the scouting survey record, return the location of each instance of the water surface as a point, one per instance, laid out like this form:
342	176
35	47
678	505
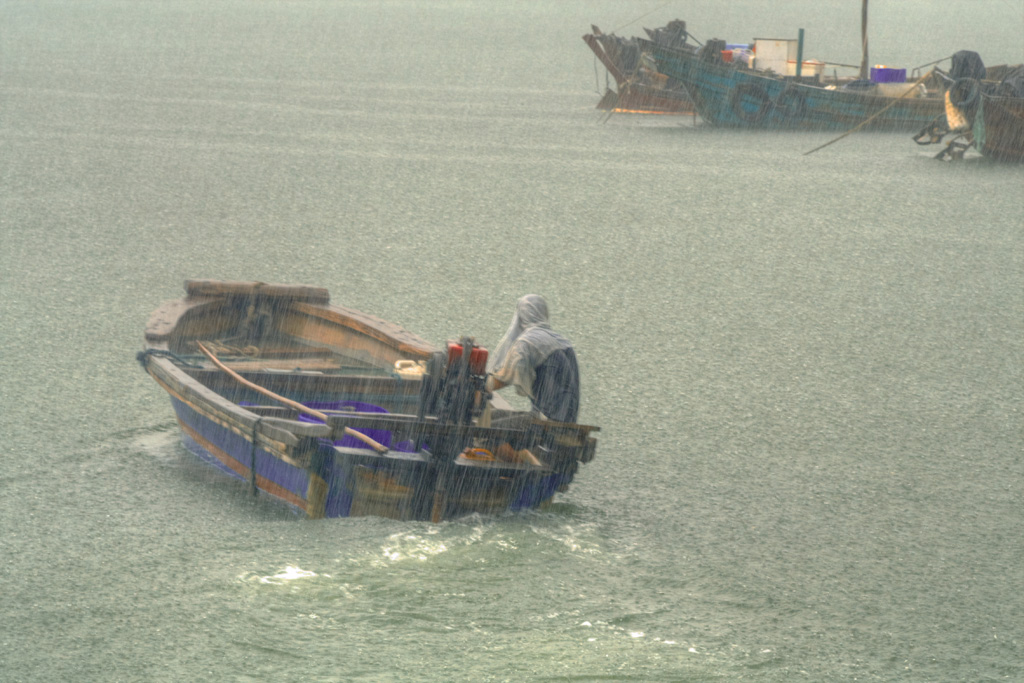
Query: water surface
807	369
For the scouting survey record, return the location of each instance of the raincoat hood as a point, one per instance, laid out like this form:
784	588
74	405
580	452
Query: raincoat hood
527	343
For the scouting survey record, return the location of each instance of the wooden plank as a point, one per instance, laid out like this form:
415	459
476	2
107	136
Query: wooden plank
310	429
186	319
569	426
316	496
164	320
410	424
221	288
385	332
314	330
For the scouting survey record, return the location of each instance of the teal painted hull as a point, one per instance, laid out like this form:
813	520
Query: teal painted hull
729	96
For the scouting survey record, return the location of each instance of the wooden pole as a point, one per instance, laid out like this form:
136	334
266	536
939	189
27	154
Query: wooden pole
317	489
799	54
864	40
375	445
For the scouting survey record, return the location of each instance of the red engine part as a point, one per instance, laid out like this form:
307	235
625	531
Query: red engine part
477	357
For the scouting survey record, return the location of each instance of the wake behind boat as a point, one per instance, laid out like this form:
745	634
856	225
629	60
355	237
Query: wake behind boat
339	413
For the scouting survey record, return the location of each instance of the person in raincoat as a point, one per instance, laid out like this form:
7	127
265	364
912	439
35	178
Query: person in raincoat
538	362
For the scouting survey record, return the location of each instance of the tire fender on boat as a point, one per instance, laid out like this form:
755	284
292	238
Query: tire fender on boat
750	93
791	101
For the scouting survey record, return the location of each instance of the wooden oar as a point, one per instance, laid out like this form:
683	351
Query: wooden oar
375	445
875	115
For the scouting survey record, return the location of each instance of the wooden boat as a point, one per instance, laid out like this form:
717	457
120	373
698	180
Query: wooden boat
733	95
339	413
988	116
640	88
998	128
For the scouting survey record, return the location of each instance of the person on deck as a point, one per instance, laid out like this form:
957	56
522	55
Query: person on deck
538	362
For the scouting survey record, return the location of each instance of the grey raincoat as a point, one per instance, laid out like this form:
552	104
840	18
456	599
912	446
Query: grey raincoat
539	362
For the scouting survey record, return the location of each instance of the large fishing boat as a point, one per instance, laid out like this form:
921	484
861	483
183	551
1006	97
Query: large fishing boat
983	113
640	88
339	413
737	94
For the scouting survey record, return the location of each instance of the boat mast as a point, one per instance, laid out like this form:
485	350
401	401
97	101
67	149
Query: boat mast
864	40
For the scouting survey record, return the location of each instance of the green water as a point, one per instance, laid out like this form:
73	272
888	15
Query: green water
807	369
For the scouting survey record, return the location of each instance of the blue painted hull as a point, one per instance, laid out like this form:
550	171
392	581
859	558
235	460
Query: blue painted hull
729	96
234	455
356	481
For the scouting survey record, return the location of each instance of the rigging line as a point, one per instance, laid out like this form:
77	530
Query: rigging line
873	116
937	61
633	21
